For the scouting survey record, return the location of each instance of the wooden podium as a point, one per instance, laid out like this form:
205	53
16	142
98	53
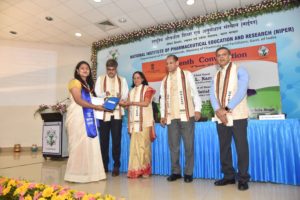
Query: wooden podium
54	137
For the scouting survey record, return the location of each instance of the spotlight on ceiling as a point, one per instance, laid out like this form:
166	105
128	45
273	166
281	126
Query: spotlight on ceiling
122	20
78	34
97	1
190	2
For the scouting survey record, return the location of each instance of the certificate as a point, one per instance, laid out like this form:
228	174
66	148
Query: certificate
98	101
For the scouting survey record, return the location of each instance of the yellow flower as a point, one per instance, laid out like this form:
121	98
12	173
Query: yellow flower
72	191
12	183
17	192
92	196
43	192
28	197
40	186
109	197
85	197
6	190
58	197
21	190
97	194
47	192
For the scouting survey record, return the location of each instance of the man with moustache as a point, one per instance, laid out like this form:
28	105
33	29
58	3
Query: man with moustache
180	107
111	85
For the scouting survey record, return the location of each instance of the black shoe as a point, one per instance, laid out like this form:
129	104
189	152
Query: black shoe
105	168
243	186
222	182
115	172
188	178
174	177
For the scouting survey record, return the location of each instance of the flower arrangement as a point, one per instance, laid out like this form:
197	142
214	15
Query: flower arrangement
60	107
12	189
114	53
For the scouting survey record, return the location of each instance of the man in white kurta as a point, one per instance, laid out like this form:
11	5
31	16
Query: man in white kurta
180	108
111	85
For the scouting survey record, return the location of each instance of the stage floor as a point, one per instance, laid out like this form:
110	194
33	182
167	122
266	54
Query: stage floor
33	167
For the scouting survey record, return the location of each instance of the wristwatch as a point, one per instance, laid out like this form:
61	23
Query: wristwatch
227	109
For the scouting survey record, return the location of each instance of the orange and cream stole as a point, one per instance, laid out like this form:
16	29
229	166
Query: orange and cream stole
225	88
135	113
182	94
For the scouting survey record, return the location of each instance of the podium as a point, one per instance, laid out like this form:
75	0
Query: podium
54	137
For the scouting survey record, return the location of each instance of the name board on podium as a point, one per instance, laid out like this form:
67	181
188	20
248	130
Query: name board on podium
54	137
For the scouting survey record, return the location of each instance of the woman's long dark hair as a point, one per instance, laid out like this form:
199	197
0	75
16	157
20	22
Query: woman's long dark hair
89	80
145	82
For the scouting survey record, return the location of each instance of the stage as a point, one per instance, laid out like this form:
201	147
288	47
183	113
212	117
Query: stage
33	167
274	151
274	157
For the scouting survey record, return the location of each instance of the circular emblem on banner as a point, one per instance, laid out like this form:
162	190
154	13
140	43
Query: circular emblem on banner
263	51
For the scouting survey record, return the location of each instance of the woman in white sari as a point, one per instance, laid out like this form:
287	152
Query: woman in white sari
85	161
140	126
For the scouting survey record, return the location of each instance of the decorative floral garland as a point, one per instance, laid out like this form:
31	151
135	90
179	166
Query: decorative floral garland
23	190
213	18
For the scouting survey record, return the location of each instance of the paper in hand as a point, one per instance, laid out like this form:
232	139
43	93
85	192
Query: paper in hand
98	101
